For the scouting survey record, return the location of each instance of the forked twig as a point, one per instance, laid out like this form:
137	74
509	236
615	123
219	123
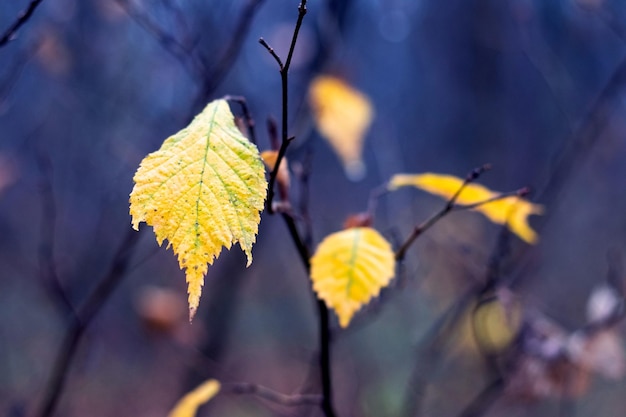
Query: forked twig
284	77
450	204
303	250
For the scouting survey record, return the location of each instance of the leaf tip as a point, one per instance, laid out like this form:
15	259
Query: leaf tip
189	404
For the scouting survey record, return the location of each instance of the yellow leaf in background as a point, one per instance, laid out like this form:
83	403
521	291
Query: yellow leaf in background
512	211
269	158
203	190
342	115
496	324
349	268
189	404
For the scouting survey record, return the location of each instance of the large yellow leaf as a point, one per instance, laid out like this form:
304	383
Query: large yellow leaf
203	190
512	211
342	115
189	404
349	268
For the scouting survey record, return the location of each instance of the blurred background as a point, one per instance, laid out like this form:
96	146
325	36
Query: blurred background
534	87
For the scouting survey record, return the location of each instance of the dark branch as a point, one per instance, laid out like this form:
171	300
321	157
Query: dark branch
84	316
183	53
284	77
213	77
484	400
11	32
432	347
303	250
272	53
47	266
250	125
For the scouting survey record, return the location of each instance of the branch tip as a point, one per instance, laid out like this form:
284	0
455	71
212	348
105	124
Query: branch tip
523	192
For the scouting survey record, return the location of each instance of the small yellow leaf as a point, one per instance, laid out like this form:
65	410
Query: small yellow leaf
349	268
342	115
282	176
512	211
189	404
203	190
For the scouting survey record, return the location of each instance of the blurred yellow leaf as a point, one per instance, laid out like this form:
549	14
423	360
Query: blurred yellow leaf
203	190
342	115
512	211
496	323
349	268
189	404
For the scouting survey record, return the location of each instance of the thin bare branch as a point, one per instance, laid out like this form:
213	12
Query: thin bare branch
284	77
428	223
250	124
47	265
213	77
84	316
272	53
303	250
265	393
11	32
183	53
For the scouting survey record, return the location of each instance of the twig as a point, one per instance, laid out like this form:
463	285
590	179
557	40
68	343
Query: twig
284	77
375	194
484	400
324	320
245	388
10	33
246	114
169	42
303	175
84	316
303	250
18	65
212	77
421	228
47	266
517	193
431	349
432	346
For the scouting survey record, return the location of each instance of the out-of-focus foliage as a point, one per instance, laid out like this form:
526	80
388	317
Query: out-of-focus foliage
535	87
349	268
189	404
342	115
496	322
512	211
203	190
